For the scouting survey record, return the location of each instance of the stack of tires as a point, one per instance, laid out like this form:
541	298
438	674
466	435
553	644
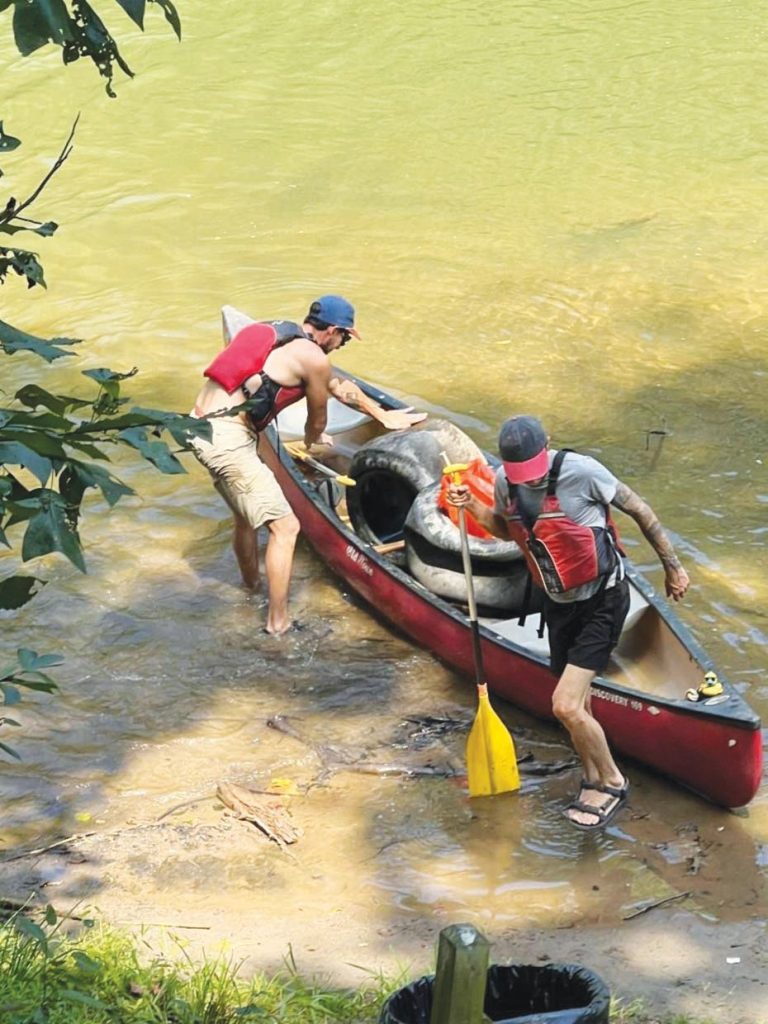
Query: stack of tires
398	479
433	550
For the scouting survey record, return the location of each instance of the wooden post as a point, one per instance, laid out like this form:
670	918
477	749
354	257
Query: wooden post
458	992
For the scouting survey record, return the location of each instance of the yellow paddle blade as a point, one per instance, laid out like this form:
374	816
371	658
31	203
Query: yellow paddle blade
491	761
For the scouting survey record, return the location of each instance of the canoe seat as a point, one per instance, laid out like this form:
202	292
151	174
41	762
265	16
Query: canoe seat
526	636
290	422
637	605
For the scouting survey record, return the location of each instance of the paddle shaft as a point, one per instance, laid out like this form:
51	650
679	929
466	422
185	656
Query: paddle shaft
467	563
297	453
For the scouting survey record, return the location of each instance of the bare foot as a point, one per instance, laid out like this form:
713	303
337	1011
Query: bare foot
289	627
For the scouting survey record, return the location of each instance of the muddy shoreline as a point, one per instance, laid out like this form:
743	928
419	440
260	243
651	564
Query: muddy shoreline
205	880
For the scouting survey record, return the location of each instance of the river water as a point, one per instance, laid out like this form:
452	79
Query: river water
555	208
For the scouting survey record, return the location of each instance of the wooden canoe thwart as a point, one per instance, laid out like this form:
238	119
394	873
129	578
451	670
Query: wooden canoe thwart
262	811
662	701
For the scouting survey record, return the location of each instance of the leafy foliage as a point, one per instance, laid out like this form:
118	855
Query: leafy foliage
75	27
48	444
53	447
25	672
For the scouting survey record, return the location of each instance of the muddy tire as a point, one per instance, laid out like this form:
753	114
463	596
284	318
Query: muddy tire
433	555
391	470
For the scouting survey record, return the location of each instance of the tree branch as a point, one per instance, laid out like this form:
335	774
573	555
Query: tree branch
12	211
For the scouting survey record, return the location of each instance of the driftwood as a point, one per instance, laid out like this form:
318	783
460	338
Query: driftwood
654	904
51	846
270	818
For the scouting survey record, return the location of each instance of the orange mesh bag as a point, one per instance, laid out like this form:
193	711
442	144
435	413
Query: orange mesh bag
480	479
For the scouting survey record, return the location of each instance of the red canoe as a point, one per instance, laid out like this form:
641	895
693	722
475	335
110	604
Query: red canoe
712	746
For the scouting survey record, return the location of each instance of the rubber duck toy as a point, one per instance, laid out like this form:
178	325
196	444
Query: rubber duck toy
710	686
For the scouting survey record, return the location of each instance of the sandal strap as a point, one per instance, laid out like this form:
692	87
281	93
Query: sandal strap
598	787
599	812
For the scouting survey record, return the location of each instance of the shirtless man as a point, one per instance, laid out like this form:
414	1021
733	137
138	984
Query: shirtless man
274	364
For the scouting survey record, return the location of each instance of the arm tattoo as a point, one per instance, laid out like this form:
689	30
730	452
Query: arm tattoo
634	506
346	392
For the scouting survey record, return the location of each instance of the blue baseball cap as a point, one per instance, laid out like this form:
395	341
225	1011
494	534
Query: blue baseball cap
336	311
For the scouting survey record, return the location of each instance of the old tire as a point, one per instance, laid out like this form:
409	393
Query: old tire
433	555
391	469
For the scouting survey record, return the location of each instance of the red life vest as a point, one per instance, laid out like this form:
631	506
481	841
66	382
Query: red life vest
560	553
246	355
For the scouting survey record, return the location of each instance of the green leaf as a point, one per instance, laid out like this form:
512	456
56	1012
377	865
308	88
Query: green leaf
50	530
96	476
7	142
14	453
10	721
35	439
171	15
22	262
35	24
87	449
42	685
15	591
31	661
51	917
181	428
156	452
11	752
85	963
107	424
103	375
33	396
135	10
30	929
37	421
81	997
10	693
45	230
14	340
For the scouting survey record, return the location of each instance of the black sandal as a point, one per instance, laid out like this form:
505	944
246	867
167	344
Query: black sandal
605	813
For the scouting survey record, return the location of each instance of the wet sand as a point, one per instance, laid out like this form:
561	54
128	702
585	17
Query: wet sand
215	885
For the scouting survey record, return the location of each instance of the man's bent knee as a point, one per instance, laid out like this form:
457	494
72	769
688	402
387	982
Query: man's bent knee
567	710
284	528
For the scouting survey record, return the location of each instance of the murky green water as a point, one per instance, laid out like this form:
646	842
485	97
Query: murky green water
555	208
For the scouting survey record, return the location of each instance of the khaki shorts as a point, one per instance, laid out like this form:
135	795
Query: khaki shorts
241	478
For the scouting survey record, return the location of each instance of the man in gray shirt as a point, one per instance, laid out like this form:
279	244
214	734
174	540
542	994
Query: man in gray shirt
555	505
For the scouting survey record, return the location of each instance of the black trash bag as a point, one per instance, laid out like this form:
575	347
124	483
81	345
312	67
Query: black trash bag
555	993
517	994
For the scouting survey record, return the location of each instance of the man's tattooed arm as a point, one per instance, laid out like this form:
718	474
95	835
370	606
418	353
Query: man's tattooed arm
347	392
633	505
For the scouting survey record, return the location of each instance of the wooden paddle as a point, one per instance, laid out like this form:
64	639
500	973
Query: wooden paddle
301	453
491	761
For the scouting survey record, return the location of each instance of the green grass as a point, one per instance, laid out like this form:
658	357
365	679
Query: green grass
99	977
102	976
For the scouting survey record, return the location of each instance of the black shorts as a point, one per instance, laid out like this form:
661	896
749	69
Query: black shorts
583	633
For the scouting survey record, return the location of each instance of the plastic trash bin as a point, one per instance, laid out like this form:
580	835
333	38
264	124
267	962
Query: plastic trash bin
517	994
